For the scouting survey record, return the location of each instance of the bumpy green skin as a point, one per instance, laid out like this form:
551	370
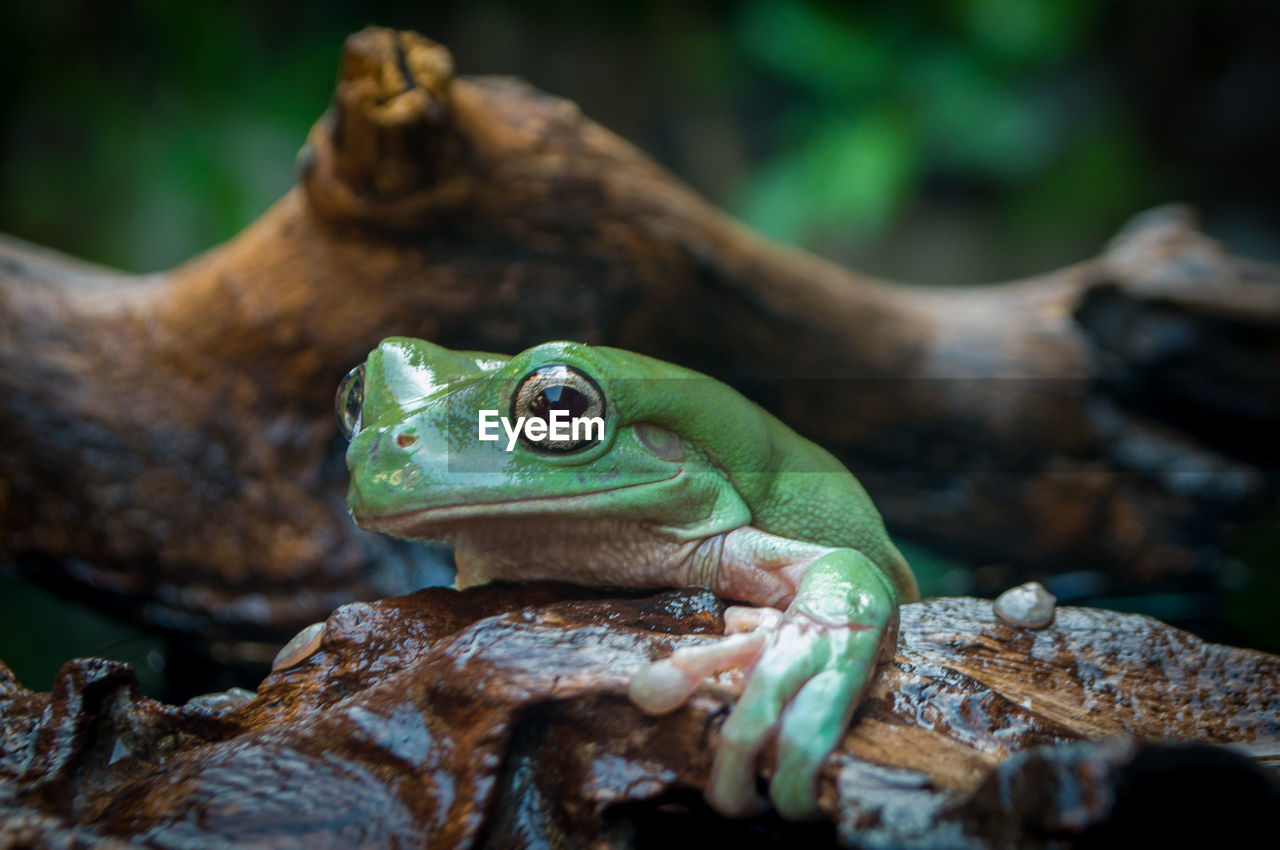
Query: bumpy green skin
701	485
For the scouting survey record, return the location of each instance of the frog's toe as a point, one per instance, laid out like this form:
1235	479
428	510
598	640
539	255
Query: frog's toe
746	618
667	684
811	727
779	673
732	788
661	687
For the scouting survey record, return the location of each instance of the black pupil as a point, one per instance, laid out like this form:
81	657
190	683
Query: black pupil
558	397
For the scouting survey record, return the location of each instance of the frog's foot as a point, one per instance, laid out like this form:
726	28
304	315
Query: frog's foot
805	676
667	684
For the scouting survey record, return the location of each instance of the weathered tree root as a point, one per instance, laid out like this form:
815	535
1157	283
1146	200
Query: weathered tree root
170	450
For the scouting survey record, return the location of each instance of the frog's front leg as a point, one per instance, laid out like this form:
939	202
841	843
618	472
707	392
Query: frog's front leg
808	663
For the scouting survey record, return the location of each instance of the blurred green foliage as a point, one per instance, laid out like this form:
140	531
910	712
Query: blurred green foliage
892	91
39	632
138	140
1005	135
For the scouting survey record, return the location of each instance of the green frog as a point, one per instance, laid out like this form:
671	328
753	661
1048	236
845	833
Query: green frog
600	466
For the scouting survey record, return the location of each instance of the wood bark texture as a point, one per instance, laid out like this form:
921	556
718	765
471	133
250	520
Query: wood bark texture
498	717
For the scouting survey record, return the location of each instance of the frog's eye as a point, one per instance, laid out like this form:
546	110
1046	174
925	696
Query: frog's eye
350	401
570	404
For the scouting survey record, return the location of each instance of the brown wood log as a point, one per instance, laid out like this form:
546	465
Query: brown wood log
498	716
169	443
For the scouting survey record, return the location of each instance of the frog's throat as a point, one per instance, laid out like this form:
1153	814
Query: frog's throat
422	523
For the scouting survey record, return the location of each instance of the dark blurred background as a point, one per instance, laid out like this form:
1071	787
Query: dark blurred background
951	141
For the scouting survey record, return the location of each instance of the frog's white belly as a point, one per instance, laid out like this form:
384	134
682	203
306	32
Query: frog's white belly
597	552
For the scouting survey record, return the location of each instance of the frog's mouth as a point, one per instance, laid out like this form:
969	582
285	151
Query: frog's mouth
435	522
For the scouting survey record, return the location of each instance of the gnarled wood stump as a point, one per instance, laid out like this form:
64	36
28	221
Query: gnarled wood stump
169	445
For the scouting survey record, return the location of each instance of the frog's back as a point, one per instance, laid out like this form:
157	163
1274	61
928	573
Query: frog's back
792	487
813	496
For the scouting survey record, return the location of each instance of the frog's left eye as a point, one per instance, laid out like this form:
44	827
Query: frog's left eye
350	401
568	401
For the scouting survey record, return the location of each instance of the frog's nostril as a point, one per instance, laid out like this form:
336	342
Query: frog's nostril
404	441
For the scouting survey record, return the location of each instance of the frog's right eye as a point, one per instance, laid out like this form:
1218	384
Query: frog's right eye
557	387
350	402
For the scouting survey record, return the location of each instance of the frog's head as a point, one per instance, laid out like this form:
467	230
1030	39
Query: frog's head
442	438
